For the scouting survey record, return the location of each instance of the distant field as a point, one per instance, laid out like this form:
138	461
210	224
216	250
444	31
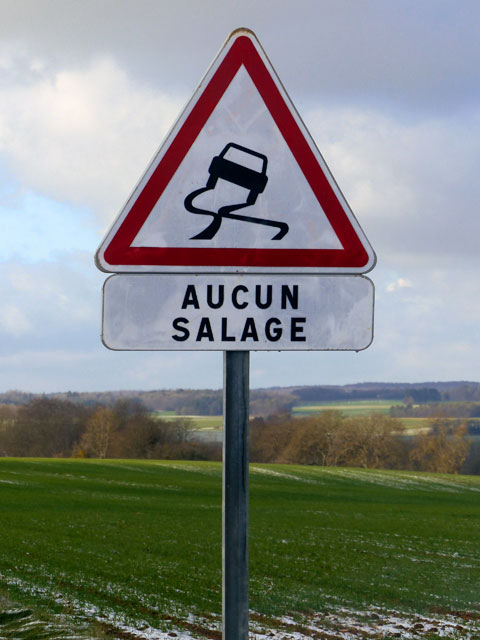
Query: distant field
356	408
361	407
413	425
209	425
351	409
196	422
366	407
136	547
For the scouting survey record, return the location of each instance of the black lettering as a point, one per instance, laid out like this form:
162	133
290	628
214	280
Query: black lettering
235	302
291	295
225	337
295	330
177	326
220	297
249	330
190	298
205	330
273	334
258	296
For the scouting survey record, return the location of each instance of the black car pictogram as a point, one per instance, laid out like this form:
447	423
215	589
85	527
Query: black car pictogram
243	175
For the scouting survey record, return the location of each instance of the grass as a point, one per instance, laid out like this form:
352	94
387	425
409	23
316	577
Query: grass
139	542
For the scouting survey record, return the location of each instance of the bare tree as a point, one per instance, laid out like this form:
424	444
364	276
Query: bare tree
269	437
45	427
97	437
370	442
315	440
332	439
442	450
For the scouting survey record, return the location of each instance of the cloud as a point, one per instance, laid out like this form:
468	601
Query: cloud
41	369
409	53
50	328
49	304
13	322
86	136
89	89
400	283
421	331
411	183
50	325
82	136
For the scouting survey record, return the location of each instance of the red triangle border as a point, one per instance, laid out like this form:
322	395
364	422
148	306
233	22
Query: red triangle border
119	251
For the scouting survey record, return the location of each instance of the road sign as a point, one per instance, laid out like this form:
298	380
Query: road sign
237	312
217	248
237	186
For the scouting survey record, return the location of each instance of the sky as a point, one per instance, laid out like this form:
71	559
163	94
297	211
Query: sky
389	90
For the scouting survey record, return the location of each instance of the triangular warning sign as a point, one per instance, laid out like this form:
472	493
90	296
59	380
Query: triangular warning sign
237	186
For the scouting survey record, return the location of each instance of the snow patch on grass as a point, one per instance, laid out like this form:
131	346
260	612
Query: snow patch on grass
404	480
338	623
349	624
281	474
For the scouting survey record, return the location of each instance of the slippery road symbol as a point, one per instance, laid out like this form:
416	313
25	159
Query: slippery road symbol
239	174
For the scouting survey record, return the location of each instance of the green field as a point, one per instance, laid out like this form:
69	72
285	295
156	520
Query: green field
349	408
135	546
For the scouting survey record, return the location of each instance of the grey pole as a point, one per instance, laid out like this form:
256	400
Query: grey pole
235	494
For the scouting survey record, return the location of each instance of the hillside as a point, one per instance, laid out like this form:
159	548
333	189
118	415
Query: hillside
135	546
264	400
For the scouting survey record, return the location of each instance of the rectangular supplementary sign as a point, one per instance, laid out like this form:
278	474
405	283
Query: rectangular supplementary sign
237	312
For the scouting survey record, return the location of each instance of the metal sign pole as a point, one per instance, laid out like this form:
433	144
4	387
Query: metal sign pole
235	494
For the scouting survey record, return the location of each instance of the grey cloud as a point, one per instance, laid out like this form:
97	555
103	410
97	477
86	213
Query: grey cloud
410	53
52	304
408	166
41	369
50	328
412	185
83	136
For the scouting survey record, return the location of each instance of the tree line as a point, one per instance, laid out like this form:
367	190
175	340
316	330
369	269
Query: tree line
374	441
47	427
266	401
204	402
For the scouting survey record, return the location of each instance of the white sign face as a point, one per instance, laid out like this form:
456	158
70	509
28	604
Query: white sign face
237	312
238	186
284	215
